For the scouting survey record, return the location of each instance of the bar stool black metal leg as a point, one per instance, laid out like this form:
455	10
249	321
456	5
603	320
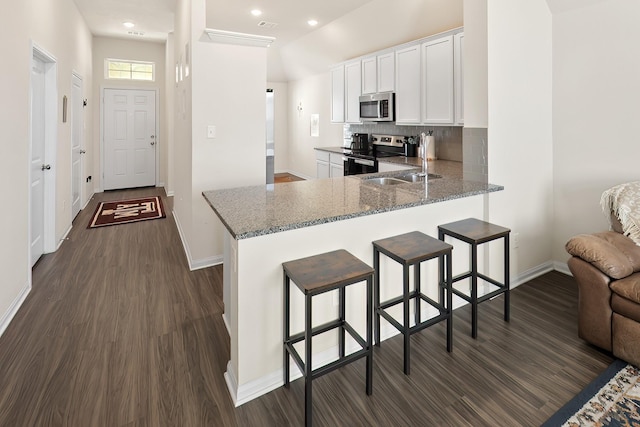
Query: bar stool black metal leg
376	296
507	284
474	291
406	326
341	308
308	416
416	284
449	303
369	337
441	284
286	332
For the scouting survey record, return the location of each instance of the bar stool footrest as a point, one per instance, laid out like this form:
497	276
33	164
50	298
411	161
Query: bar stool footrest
364	351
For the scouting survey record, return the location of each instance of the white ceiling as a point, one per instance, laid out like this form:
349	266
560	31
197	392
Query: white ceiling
154	18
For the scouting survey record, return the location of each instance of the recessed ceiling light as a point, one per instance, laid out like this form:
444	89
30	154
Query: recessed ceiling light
128	24
256	12
312	22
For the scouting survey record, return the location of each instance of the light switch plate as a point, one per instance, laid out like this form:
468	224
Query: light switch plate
211	131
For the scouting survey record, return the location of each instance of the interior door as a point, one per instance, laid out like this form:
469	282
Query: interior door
38	165
76	145
129	135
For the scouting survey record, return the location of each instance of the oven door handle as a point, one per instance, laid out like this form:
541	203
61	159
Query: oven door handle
364	162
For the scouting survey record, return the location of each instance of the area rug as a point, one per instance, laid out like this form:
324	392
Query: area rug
612	399
127	211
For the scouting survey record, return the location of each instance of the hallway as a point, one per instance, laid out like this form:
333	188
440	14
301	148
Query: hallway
117	331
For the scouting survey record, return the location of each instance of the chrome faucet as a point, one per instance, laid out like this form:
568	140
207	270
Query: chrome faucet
423	153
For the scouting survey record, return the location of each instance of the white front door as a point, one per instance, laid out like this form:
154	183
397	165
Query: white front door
38	165
129	135
76	145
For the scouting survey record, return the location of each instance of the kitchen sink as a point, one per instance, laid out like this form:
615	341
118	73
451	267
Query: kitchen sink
414	177
385	181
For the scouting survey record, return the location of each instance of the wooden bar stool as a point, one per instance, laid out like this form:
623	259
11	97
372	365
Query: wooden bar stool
411	249
315	275
476	232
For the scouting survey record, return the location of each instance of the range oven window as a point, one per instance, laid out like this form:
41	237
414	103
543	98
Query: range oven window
357	166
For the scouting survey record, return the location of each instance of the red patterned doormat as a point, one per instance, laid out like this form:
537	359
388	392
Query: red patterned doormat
126	211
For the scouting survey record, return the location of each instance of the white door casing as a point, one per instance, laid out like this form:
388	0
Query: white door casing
76	145
42	151
37	172
129	138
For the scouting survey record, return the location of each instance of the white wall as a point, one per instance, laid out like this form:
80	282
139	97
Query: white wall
314	94
226	88
475	77
520	120
281	124
229	92
114	48
596	72
59	29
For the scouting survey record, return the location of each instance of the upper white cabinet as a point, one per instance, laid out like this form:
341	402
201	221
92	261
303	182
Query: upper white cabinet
458	76
408	85
386	72
426	76
379	73
352	77
370	75
346	87
337	94
437	81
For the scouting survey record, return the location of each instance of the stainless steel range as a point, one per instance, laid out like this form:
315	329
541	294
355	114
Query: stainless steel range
364	158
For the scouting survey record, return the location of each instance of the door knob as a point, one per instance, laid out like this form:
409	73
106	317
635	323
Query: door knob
45	167
153	136
153	143
82	151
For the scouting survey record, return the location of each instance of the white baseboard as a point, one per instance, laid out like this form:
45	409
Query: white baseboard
170	193
64	237
300	174
225	319
562	267
245	392
531	273
88	200
13	308
195	264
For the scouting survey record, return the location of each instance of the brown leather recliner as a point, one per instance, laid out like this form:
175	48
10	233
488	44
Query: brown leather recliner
607	268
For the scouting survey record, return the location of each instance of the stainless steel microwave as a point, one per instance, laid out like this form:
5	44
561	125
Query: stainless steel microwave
377	107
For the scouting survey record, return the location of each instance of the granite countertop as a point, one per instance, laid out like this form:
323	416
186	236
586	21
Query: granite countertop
265	209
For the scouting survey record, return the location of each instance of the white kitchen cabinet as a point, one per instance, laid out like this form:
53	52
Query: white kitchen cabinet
353	89
391	167
336	165
322	164
437	81
458	76
369	75
337	94
386	75
408	83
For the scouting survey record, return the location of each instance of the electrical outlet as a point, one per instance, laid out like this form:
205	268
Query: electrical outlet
516	240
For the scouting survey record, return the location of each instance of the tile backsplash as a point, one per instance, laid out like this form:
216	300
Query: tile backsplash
475	166
448	138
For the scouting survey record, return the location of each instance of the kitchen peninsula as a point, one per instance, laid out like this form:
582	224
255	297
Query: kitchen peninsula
268	225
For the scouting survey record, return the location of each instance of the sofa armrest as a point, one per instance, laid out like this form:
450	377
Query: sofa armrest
612	253
594	303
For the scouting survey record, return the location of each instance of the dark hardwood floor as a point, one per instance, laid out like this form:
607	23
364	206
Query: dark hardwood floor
118	332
